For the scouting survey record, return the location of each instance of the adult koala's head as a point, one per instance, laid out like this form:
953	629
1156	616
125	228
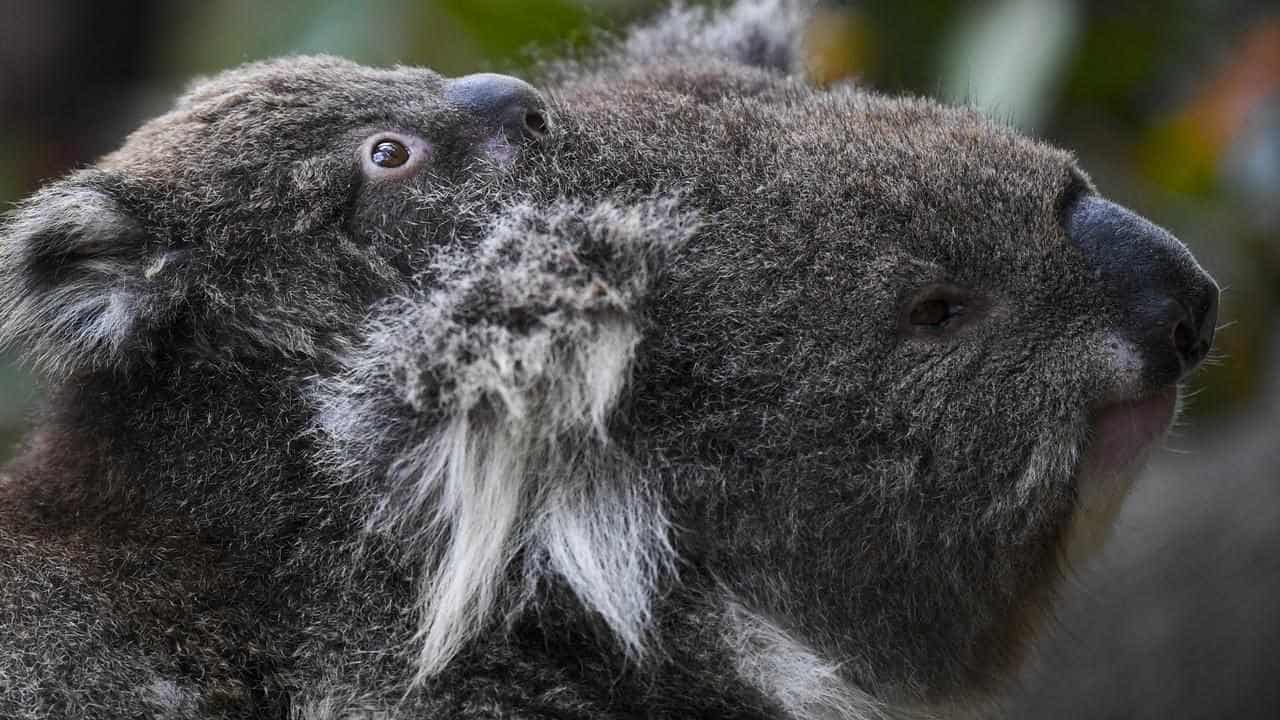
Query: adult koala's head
850	372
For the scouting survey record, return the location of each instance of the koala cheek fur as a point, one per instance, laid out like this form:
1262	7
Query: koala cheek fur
674	388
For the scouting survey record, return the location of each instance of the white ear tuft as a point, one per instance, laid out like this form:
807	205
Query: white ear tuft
607	538
73	291
478	417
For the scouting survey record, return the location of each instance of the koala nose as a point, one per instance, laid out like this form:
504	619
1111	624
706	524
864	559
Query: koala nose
512	105
1168	305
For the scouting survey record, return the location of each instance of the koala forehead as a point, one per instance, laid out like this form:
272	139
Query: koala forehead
791	169
263	116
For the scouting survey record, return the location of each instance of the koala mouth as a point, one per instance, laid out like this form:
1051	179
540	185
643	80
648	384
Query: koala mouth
1124	432
1123	435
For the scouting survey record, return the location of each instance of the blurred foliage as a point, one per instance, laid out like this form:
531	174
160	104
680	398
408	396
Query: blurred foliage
1173	107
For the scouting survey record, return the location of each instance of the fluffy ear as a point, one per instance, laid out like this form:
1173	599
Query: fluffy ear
762	33
75	277
478	419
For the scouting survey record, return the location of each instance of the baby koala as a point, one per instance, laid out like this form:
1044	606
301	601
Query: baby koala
676	388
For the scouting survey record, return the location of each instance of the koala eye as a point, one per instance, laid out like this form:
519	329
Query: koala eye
389	154
934	312
940	309
393	155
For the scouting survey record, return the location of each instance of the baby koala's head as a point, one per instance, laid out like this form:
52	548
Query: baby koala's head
257	220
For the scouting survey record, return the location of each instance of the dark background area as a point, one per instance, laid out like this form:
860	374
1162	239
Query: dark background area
1173	108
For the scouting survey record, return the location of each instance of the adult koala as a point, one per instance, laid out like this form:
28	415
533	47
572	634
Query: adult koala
682	390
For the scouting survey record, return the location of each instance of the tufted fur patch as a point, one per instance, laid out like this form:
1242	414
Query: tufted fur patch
517	360
784	669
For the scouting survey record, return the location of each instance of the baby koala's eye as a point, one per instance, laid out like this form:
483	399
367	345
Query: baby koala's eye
389	154
393	155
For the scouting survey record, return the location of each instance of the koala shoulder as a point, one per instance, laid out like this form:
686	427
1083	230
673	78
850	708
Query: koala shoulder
87	618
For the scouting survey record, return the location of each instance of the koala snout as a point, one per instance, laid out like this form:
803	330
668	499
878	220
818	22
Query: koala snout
1166	304
511	105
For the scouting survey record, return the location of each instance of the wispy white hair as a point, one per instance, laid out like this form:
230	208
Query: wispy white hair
763	33
805	684
478	415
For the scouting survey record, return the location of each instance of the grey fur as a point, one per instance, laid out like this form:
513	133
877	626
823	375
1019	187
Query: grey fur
520	350
625	422
761	33
84	320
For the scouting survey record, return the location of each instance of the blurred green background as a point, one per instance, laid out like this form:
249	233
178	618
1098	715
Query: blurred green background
1173	107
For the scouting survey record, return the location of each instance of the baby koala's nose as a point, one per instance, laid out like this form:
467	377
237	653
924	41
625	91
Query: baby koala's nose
511	105
1167	304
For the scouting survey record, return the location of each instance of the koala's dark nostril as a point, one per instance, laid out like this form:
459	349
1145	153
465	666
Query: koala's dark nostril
1193	337
506	104
1164	302
536	123
1193	331
1184	338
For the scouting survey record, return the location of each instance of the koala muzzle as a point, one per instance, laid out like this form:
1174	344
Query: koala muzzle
1167	304
512	106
